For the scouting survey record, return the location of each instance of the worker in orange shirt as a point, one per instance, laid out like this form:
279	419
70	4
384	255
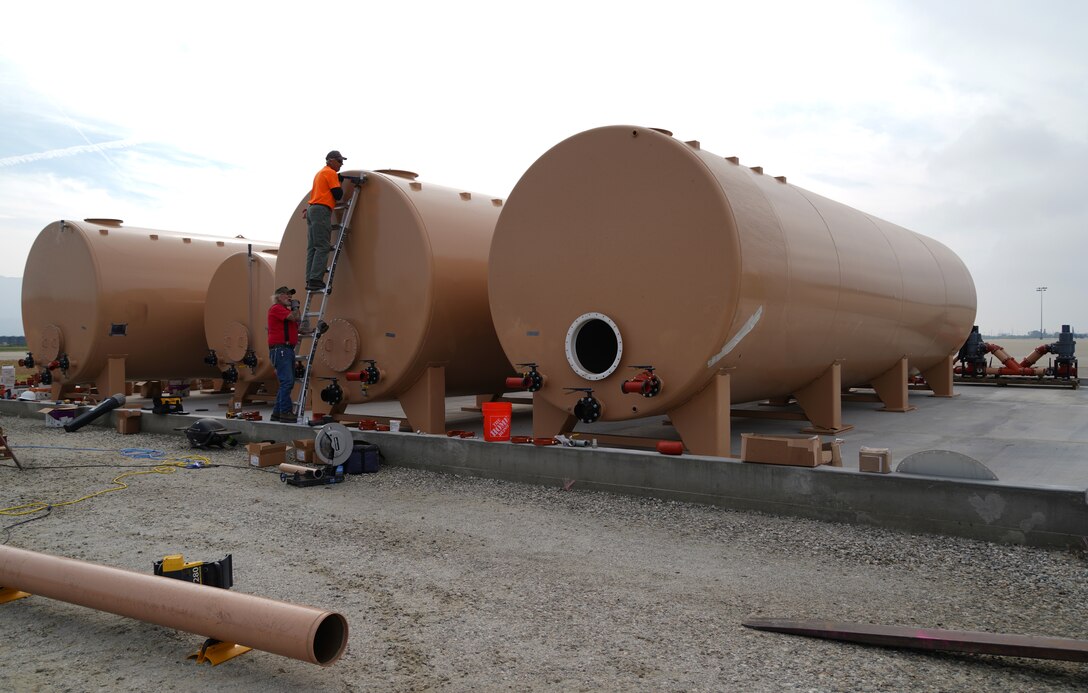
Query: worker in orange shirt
324	195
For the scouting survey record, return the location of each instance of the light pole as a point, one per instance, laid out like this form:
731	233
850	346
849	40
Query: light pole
1041	290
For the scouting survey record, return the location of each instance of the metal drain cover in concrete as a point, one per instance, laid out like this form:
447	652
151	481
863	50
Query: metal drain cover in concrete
945	463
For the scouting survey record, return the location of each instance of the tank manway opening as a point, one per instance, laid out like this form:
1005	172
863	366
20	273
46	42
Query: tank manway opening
594	346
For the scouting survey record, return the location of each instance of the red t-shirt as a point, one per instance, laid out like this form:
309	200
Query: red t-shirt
280	329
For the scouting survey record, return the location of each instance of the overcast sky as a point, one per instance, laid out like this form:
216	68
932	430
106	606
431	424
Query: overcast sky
964	121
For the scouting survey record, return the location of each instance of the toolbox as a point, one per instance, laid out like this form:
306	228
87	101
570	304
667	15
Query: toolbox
364	459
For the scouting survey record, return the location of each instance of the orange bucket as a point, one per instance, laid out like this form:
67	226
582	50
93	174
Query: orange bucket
496	421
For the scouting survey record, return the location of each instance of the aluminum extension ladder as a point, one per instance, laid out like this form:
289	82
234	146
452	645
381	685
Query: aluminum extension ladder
313	325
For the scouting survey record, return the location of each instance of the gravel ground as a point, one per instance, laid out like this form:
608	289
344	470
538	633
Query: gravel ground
457	583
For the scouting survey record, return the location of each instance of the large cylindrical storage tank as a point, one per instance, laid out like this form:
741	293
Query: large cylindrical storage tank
622	247
236	315
122	303
409	293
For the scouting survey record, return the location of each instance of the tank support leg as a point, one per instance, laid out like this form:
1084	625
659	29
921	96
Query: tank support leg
821	400
425	402
891	387
321	408
703	421
243	392
550	421
112	379
939	377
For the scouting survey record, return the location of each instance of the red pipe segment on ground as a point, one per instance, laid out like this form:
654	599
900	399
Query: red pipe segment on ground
290	630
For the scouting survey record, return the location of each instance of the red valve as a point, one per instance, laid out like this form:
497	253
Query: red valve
518	383
645	383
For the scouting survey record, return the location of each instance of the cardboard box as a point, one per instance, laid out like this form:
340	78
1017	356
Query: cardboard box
7	377
831	453
875	460
796	451
267	454
128	421
56	417
304	450
147	388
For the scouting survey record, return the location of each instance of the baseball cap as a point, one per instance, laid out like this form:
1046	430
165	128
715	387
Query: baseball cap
335	154
285	290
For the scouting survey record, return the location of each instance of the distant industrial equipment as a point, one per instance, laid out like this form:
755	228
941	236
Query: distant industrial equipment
975	367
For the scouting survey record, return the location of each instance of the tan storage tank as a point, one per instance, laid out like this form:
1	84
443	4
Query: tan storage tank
623	248
121	303
236	319
410	294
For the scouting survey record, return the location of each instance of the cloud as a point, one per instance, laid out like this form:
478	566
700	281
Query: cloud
1007	195
67	151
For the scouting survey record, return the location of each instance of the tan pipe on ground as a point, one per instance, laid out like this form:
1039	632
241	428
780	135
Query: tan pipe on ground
288	468
290	630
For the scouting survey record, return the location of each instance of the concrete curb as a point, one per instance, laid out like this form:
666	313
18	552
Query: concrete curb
988	510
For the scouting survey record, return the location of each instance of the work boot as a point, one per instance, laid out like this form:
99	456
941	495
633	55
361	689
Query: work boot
315	286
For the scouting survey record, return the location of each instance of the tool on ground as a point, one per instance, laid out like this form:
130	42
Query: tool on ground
310	332
167	404
333	445
937	639
208	433
106	405
213	574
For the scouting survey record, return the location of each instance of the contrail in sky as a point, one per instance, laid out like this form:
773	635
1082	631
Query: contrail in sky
67	151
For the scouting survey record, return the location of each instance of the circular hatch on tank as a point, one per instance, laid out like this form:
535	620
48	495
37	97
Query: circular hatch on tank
594	346
235	341
50	345
340	345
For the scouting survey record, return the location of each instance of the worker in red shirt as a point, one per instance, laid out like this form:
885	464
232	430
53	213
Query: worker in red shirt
324	195
283	319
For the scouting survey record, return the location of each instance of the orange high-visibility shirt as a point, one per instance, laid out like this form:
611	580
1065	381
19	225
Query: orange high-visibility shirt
324	182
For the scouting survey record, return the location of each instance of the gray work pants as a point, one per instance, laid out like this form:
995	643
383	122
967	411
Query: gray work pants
319	221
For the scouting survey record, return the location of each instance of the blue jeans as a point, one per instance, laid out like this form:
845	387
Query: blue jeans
319	225
283	360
